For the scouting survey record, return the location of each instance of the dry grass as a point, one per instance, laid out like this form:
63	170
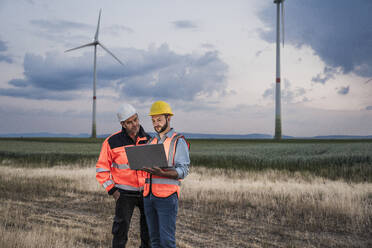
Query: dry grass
313	198
65	207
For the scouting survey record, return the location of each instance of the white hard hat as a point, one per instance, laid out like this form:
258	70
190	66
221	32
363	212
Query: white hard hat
125	111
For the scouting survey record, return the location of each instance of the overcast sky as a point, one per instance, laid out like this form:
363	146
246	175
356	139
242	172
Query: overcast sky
213	61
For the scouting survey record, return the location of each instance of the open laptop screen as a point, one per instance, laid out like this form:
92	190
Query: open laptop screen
146	156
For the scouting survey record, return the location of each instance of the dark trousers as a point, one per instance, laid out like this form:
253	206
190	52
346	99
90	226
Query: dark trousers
123	214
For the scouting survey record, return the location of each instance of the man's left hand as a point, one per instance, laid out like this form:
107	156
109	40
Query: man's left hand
154	170
162	172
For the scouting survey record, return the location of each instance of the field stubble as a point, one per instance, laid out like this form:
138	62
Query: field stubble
65	207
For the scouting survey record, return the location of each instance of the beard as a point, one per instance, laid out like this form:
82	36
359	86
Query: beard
163	128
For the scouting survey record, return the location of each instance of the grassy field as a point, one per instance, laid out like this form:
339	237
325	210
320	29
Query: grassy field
48	152
334	159
238	194
331	159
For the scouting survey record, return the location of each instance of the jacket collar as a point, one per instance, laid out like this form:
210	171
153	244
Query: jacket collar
141	133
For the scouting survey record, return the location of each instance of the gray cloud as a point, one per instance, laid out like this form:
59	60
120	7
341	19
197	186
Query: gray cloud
269	93
153	73
207	46
328	73
341	34
165	74
289	95
184	24
58	26
38	94
344	90
3	46
63	32
117	29
55	72
6	58
3	57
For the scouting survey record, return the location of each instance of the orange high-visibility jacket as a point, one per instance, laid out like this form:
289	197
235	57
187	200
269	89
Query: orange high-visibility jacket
112	169
163	186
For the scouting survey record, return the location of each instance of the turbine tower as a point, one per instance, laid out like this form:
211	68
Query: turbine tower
278	118
95	43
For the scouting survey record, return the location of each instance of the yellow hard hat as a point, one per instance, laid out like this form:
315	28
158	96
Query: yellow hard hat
160	108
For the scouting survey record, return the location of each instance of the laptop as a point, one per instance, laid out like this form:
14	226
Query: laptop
146	156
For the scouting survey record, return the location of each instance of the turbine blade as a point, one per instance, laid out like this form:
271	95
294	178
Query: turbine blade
283	22
108	51
98	24
86	45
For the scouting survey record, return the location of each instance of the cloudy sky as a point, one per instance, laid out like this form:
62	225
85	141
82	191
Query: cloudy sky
213	61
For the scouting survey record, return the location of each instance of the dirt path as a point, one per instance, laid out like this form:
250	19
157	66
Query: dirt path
203	229
87	218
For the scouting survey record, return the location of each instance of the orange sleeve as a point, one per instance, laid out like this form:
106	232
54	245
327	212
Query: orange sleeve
103	167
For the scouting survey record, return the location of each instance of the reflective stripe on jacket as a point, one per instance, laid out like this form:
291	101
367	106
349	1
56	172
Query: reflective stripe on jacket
163	186
112	169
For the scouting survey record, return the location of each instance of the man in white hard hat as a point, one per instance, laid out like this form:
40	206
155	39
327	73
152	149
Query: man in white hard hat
124	184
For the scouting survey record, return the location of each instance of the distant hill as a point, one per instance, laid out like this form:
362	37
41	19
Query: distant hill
343	137
188	135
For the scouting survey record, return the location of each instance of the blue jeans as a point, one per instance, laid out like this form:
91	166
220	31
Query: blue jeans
161	214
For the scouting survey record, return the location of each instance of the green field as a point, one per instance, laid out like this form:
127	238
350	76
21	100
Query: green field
293	193
350	160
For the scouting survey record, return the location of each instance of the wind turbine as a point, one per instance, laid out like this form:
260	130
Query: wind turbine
278	118
95	43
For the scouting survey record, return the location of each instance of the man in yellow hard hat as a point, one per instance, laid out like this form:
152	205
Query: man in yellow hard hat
162	186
